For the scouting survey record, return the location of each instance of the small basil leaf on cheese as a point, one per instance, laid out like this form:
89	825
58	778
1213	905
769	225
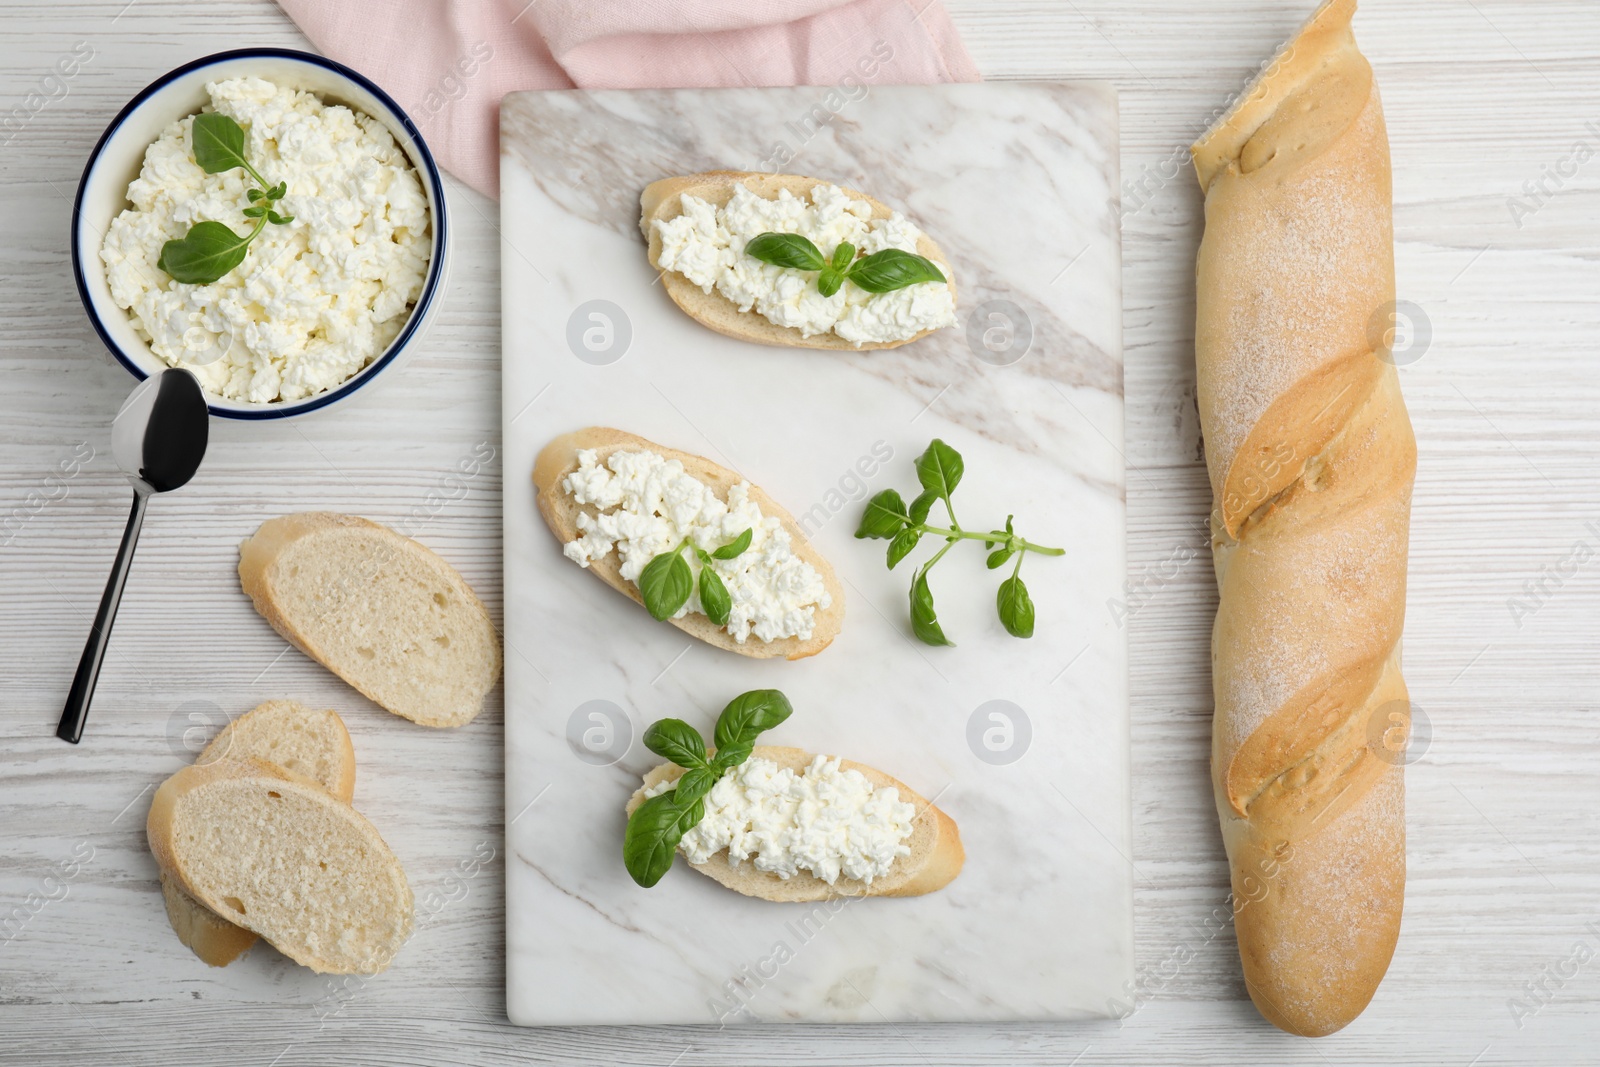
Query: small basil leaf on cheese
734	548
676	740
665	584
714	598
786	250
750	714
1015	607
924	620
654	830
939	468
891	269
884	517
728	758
903	543
696	783
217	142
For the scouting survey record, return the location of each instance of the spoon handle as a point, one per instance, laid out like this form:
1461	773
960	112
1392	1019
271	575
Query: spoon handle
77	710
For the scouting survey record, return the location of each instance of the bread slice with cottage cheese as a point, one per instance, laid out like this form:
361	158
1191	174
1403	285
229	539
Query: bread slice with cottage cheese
560	458
663	200
379	610
286	734
935	859
281	856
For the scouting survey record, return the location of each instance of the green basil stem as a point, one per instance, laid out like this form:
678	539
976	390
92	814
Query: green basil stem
963	535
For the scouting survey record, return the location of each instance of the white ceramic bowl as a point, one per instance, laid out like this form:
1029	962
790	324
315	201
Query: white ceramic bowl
116	160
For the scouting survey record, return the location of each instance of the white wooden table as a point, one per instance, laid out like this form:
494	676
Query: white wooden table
1483	96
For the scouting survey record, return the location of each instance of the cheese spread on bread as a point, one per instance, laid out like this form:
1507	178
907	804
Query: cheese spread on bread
824	820
646	505
706	245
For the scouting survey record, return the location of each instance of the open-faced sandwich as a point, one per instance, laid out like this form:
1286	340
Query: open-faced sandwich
781	259
780	823
693	542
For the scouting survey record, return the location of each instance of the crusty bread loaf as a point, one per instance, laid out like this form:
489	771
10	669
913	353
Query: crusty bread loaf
282	857
560	458
1311	459
379	610
285	733
662	200
936	854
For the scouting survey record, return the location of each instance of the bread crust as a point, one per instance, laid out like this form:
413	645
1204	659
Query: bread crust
1312	459
559	458
258	554
936	852
662	201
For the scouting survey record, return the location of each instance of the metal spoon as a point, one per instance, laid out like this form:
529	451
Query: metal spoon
158	438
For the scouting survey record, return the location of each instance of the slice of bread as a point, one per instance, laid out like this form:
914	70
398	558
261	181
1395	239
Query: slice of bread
379	610
935	860
285	733
663	200
559	458
283	858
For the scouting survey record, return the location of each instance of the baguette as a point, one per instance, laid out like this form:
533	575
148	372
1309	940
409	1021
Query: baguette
662	200
379	610
280	856
560	458
935	859
284	733
1311	460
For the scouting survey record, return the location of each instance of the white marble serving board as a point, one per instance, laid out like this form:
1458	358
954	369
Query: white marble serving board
1023	743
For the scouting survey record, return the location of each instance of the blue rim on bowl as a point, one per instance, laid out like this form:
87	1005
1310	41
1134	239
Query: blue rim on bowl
439	244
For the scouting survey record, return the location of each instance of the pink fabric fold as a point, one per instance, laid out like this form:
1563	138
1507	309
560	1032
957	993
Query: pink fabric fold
449	63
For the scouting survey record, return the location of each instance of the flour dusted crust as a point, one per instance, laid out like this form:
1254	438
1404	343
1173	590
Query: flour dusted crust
559	458
662	200
935	859
1312	459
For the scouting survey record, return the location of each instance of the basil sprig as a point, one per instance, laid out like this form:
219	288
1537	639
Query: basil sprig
666	581
211	249
656	826
881	272
888	517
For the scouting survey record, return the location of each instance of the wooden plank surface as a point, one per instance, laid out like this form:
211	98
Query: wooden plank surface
1482	97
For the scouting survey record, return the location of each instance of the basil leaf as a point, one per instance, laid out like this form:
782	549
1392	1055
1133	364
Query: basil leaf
654	830
277	191
842	257
999	556
207	252
218	143
730	757
255	212
924	621
714	598
253	194
786	250
279	220
829	280
1015	607
939	468
903	543
676	740
885	515
696	783
922	505
892	269
750	714
665	584
735	547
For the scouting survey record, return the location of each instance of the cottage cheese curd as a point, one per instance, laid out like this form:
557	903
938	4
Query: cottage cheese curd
647	505
825	820
706	245
315	300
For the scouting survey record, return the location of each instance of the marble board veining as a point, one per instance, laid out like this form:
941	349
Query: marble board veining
1023	742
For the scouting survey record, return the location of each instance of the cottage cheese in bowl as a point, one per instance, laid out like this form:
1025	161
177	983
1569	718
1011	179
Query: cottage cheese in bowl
315	300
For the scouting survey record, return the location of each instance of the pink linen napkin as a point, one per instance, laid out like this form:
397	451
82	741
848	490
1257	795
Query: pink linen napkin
449	63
